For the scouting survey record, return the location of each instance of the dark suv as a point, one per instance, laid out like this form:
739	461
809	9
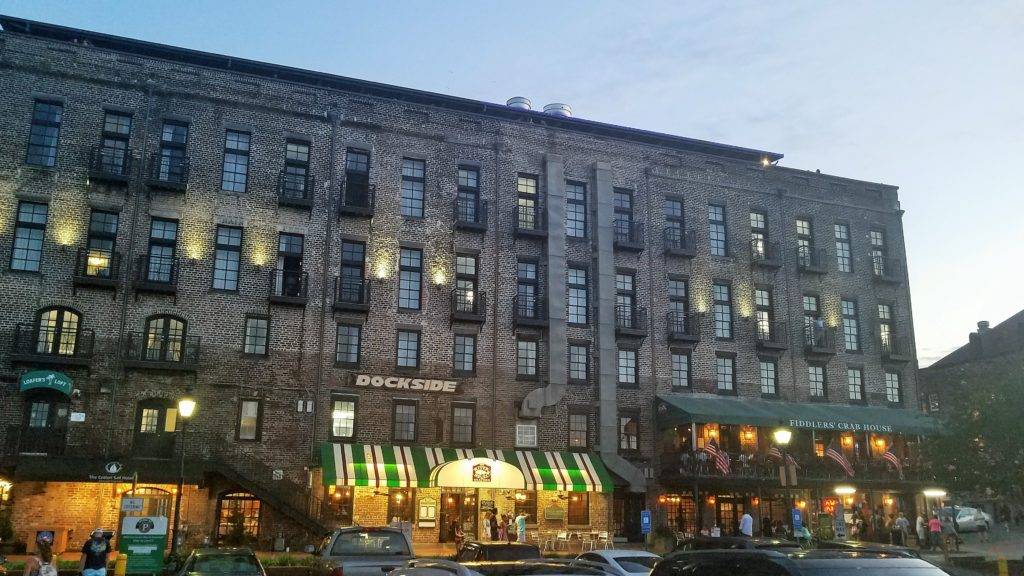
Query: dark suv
496	552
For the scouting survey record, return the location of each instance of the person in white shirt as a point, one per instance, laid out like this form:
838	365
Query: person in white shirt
746	525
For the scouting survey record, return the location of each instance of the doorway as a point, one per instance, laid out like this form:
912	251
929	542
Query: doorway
727	514
155	426
45	424
459	506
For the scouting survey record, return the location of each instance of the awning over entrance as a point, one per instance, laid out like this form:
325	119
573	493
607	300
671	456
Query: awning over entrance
423	467
47	380
683	408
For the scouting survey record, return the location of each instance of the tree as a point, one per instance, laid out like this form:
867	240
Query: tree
236	535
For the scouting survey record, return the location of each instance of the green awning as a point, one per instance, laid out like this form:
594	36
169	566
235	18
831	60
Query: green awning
47	380
421	466
675	409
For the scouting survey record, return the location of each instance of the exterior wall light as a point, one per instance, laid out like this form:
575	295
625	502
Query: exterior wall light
845	490
934	493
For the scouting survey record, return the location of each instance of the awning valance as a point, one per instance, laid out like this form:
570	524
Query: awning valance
423	467
682	408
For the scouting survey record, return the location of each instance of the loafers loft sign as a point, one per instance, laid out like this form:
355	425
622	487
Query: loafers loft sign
402	383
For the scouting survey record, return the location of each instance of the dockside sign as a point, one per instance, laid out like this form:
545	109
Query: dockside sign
424	385
837	425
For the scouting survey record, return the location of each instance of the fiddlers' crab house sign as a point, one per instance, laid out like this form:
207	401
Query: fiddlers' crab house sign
835	425
402	383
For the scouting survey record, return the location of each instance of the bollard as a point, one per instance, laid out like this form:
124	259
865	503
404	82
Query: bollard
1004	570
121	565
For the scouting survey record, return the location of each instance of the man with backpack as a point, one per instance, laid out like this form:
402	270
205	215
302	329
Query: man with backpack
94	555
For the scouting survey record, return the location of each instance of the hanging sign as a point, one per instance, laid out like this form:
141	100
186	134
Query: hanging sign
47	380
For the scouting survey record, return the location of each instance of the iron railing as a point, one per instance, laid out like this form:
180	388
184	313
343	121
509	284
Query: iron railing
97	267
895	348
469	305
470	213
773	334
110	164
679	241
167	172
811	260
886	269
529	310
629	235
764	253
289	286
820	339
529	220
47	346
295	190
25	440
759	466
357	198
683	327
351	294
630	320
161	352
156	274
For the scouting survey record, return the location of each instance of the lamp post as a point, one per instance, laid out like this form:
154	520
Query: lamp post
782	438
186	406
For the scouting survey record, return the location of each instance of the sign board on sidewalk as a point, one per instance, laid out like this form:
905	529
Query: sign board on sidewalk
645	521
131	504
143	539
798	521
840	521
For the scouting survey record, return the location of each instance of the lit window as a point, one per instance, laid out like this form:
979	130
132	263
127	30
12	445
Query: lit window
629	432
249	416
579	423
343	417
579	362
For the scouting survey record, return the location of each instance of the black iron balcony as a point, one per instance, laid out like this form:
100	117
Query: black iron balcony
683	327
97	268
160	352
34	441
811	260
468	305
772	335
167	172
351	294
895	349
629	235
630	320
35	346
819	340
156	274
110	164
289	287
764	253
295	190
357	198
680	242
529	221
886	269
470	214
530	311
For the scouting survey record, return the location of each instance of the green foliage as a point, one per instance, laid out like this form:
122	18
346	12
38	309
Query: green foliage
236	535
289	560
6	527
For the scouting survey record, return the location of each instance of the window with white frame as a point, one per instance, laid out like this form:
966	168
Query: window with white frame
627	368
343	417
769	377
893	388
816	380
680	369
526	434
526	358
855	383
579	362
725	373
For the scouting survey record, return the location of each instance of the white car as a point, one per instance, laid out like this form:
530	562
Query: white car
972	519
622	562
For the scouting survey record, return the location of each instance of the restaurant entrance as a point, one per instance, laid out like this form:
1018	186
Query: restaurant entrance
459	507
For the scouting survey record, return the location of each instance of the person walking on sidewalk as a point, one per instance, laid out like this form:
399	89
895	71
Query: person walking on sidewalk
42	563
901	526
921	528
935	532
94	555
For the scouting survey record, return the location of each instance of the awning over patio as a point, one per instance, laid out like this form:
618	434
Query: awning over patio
675	409
422	467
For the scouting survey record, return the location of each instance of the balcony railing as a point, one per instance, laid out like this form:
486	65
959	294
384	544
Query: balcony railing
470	214
48	347
97	268
764	253
630	320
167	172
680	242
469	305
895	348
357	198
886	269
529	221
772	335
109	164
289	287
158	352
811	260
683	327
156	274
758	466
819	340
295	190
530	310
351	294
629	235
33	441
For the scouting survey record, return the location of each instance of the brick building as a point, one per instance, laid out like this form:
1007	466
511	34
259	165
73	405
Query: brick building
392	303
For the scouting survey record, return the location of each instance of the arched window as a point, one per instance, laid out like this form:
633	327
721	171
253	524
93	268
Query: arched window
165	336
238	518
57	331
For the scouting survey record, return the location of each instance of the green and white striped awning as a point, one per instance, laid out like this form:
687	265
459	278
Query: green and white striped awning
420	466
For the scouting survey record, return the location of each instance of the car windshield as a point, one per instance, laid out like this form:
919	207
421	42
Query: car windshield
370	543
225	564
637	564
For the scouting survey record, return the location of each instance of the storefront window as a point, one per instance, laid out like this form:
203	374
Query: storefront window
526	501
579	509
401	504
238	518
340	504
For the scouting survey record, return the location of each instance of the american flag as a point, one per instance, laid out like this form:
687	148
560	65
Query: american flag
790	461
722	462
775	454
711	447
837	457
894	460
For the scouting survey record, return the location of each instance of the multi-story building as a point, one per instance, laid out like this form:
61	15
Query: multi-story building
393	303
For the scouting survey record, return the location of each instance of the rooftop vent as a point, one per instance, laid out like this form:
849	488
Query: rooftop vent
558	109
520	102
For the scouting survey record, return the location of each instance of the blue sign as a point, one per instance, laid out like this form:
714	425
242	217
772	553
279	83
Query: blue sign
798	522
645	521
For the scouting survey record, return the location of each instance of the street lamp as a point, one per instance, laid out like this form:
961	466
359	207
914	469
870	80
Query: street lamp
782	436
186	407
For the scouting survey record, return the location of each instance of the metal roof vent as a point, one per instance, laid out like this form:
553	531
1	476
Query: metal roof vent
520	102
558	109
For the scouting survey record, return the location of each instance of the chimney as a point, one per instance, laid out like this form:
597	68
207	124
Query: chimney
520	102
982	326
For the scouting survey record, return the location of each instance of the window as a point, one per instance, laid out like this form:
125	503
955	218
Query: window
256	335
893	390
813	325
629	432
816	379
578	301
526	358
717	241
250	417
579	429
680	369
575	210
623	207
526	502
288	275
627	368
804	242
57	331
45	133
527	303
347	346
410	273
401	505
465	283
878	252
526	434
758	234
625	299
294	179
844	261
769	382
165	339
885	330
463	425
465	353
173	167
722	311
357	178
675	223
678	305
163	240
851	328
578	513
117	129
527	203
227	258
764	313
467	204
413	178
29	231
343	416
353	269
408	349
725	373
855	384
404	419
235	173
238	511
579	363
99	262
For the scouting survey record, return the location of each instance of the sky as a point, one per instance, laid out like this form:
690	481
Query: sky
924	95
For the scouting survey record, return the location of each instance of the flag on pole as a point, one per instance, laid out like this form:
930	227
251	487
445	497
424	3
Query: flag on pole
790	461
894	460
836	456
711	447
775	454
722	462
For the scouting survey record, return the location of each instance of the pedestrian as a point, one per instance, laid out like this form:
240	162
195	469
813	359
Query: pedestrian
42	563
494	525
521	527
934	532
766	526
94	555
902	527
503	527
458	536
921	529
983	532
746	524
487	524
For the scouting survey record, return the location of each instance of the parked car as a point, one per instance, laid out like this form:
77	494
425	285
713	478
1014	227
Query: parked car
972	519
363	551
496	551
858	546
221	562
536	566
774	563
622	562
737	543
